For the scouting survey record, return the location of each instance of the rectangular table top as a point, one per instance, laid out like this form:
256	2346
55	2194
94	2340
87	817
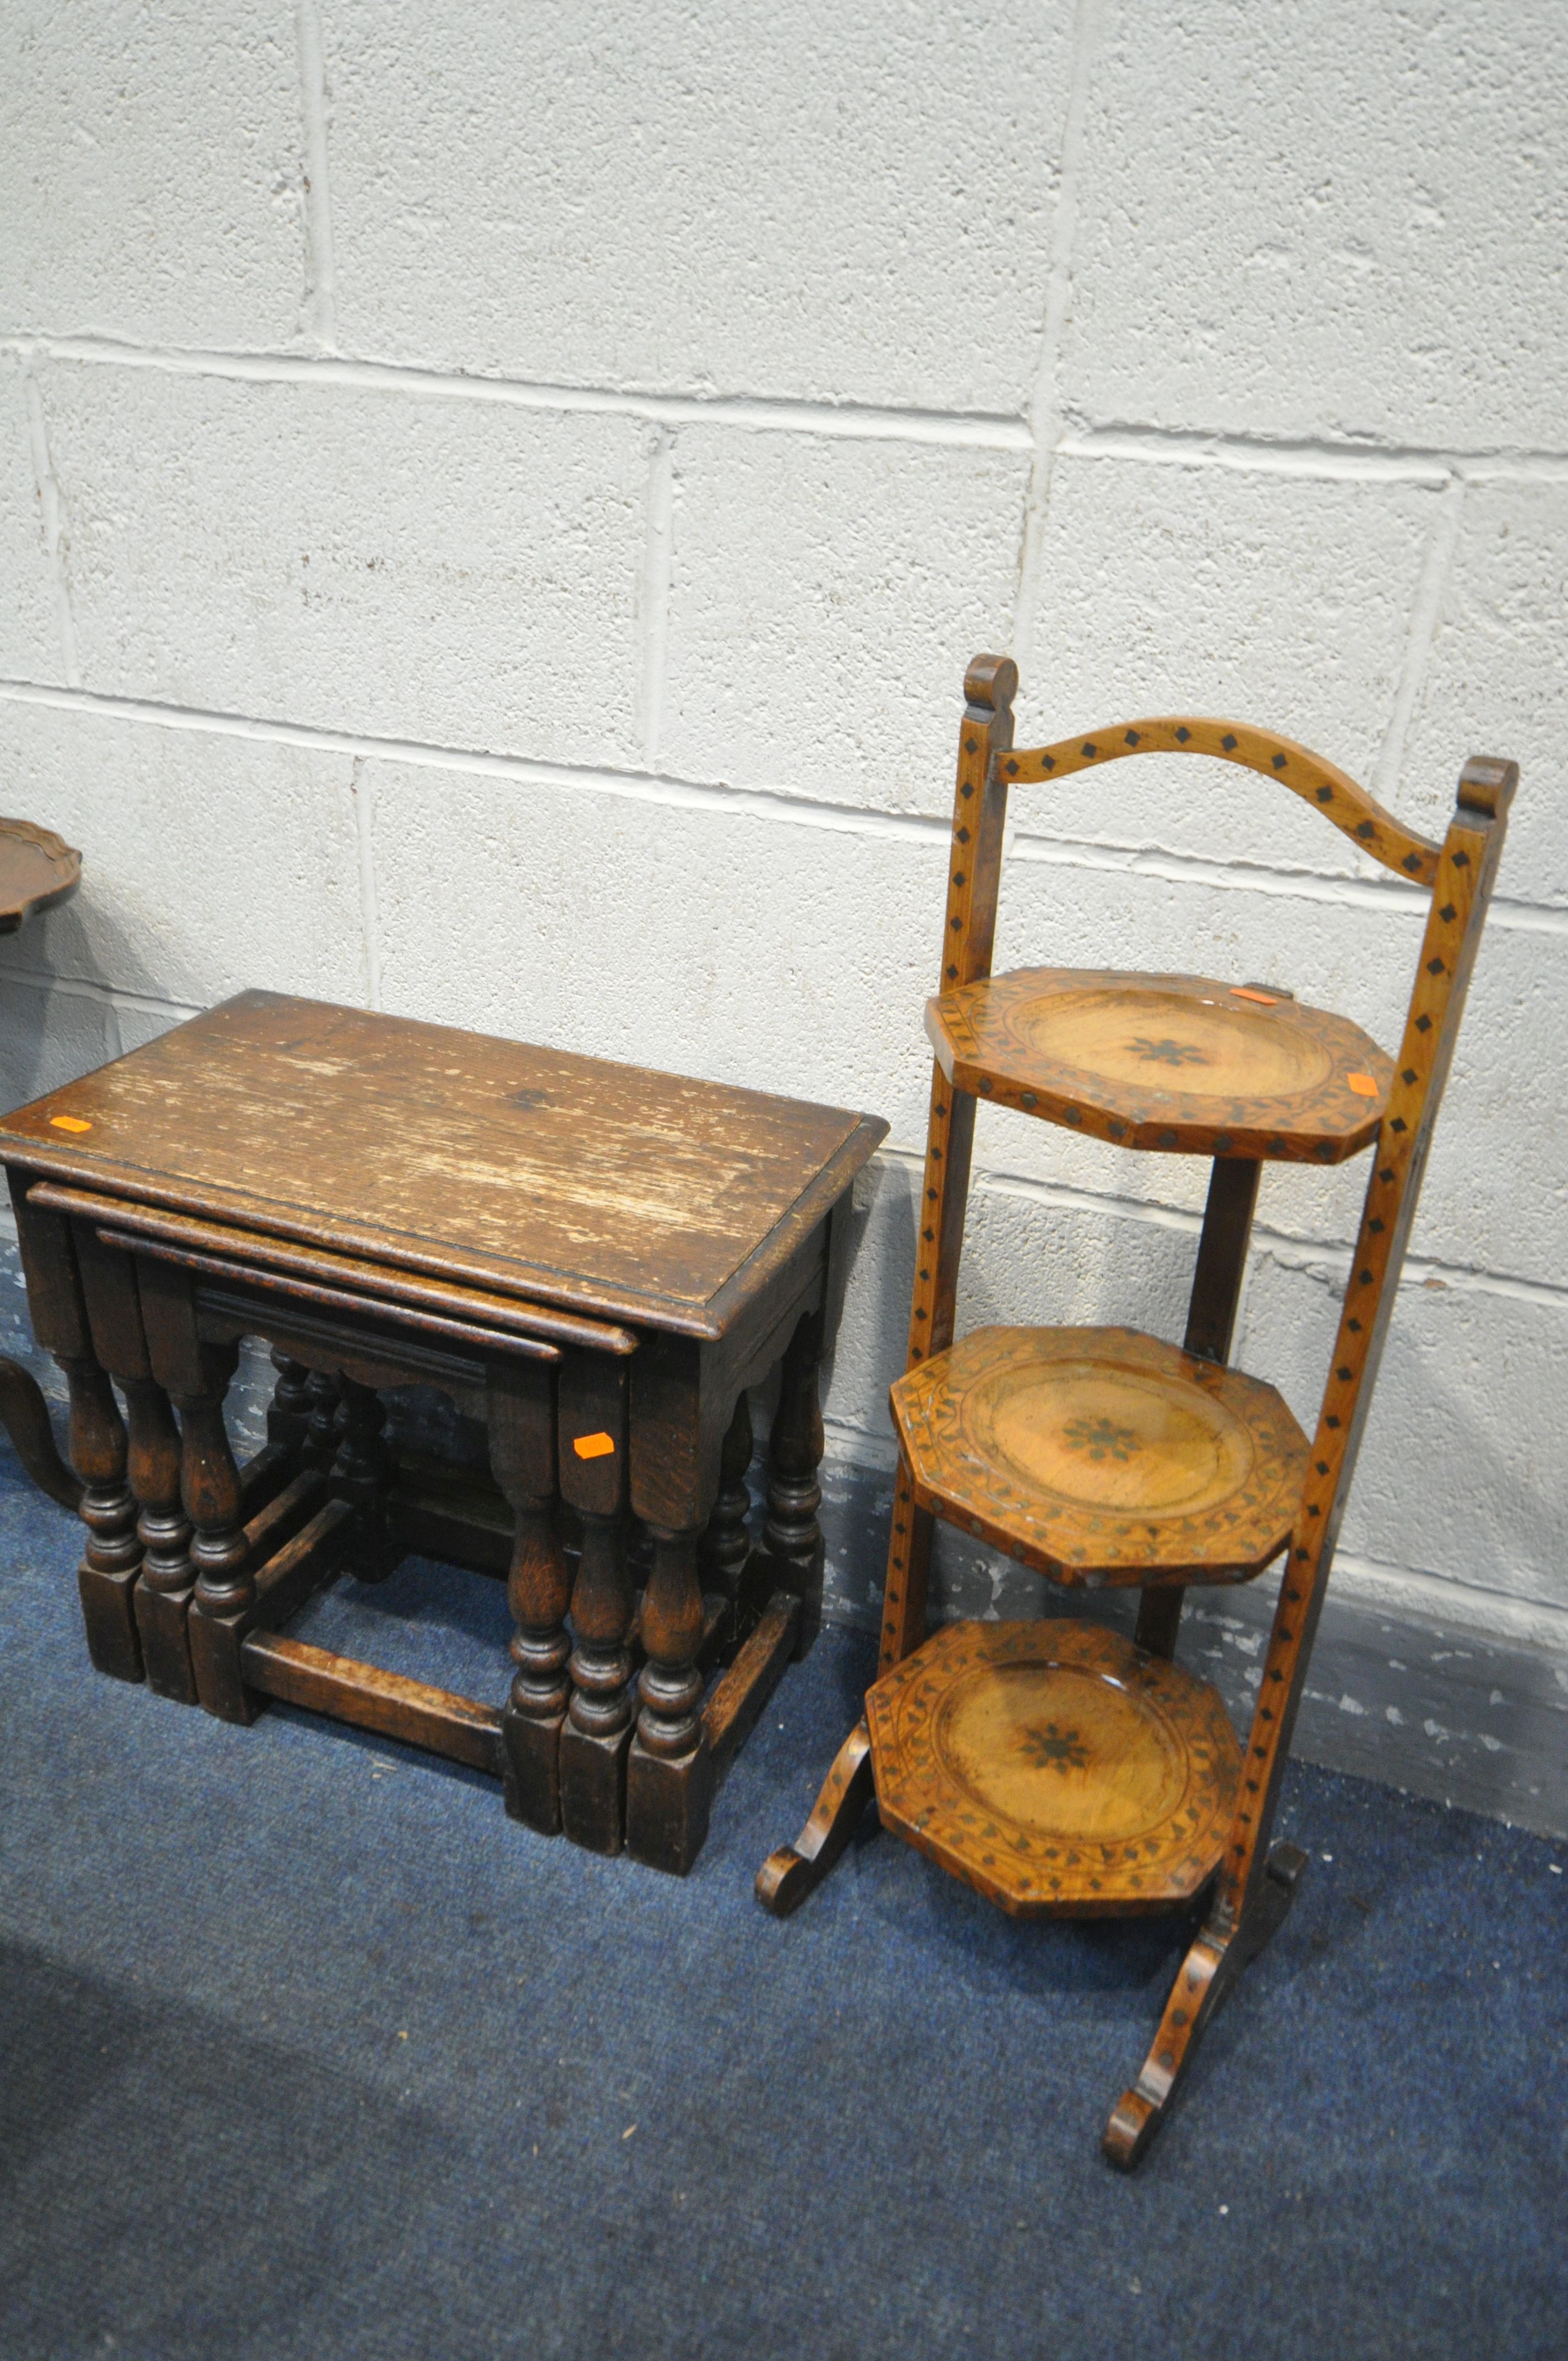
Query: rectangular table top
540	1174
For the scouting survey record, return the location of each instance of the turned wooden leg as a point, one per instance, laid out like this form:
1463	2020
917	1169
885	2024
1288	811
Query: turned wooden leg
598	1733
319	1447
726	1545
210	1488
669	1776
24	1413
289	1413
794	1537
591	1395
112	1552
209	1484
788	1875
168	1571
539	1591
521	1422
112	1300
362	1474
111	1558
1207	1975
194	1375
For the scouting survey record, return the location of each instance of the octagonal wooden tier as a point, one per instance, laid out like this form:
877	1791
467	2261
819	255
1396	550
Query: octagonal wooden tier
1101	1456
1165	1062
1055	1767
36	868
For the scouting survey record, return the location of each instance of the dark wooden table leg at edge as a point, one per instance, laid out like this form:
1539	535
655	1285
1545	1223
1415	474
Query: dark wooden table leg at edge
112	1552
596	1738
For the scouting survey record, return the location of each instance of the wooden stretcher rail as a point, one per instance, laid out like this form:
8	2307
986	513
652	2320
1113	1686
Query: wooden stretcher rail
736	1705
392	1707
301	1563
263	1474
375	1280
281	1519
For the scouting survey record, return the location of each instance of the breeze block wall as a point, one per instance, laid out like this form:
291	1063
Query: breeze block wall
496	503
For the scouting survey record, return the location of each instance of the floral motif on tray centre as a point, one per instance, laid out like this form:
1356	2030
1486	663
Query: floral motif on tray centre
1101	1437
1052	1749
1167	1052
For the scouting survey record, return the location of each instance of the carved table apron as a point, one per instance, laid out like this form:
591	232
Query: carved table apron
595	1260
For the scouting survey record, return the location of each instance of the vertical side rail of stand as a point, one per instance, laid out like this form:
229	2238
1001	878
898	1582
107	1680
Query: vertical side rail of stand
969	936
1211	1322
1257	1879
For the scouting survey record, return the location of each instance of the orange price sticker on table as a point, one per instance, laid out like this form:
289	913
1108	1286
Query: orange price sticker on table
593	1446
1363	1085
68	1123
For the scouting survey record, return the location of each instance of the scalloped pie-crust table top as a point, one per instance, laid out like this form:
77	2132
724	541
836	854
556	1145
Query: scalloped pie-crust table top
36	868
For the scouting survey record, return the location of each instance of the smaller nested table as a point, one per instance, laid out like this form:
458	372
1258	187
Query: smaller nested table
595	1260
37	870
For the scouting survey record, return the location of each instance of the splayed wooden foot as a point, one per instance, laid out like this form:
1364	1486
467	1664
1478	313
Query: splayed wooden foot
788	1875
1208	1972
25	1416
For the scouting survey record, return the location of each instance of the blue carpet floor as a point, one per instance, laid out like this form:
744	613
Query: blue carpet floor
309	2051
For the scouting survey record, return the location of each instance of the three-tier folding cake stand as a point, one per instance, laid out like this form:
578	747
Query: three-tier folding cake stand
1057	1766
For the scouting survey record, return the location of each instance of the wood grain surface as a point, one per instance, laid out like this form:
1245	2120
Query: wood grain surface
1100	1456
1055	1767
386	1703
1172	1063
530	1171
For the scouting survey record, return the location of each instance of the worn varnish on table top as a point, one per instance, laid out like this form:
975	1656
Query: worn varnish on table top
538	1173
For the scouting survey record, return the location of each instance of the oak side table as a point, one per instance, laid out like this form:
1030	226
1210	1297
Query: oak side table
595	1260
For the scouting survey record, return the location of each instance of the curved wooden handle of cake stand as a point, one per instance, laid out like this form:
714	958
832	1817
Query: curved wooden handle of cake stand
788	1875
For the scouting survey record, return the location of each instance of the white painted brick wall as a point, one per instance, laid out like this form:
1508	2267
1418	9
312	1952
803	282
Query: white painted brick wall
1333	220
461	572
29	634
494	505
155	174
235	860
842	206
805	656
1227	589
